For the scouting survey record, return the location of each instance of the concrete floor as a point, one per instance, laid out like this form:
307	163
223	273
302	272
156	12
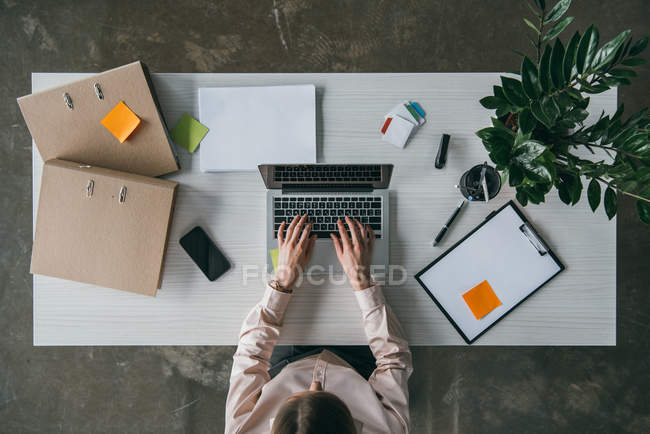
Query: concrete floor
183	389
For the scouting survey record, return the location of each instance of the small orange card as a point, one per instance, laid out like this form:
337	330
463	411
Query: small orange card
121	121
481	299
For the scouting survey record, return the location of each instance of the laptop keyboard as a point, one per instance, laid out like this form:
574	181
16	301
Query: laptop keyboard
324	212
328	173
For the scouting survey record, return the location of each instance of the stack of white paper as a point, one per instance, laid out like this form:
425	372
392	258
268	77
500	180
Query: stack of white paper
257	125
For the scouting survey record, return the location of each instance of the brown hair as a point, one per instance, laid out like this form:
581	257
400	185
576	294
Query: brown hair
314	413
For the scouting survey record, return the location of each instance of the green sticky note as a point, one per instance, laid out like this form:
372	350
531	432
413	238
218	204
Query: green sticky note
412	111
274	258
188	133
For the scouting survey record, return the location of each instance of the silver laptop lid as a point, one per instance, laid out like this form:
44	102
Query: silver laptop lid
337	177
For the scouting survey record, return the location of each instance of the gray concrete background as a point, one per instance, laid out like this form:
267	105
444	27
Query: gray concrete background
183	389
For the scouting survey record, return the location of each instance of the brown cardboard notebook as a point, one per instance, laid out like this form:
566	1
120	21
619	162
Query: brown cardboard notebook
102	226
74	131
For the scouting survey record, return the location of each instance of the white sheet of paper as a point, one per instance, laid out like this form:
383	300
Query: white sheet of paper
499	253
398	132
257	125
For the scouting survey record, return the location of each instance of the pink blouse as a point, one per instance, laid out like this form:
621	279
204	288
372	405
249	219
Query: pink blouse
379	405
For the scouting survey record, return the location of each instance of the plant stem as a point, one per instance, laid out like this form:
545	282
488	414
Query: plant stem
608	183
636	196
607	148
539	36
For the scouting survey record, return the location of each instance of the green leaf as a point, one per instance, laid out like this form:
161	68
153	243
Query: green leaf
520	138
516	175
638	46
544	69
529	79
610	203
634	61
536	110
538	172
629	186
557	29
557	64
501	126
528	151
521	197
498	92
500	155
534	196
550	108
495	138
643	209
558	10
643	175
563	192
569	186
514	92
593	194
569	63
608	51
577	115
587	49
541	4
531	25
527	121
492	102
622	73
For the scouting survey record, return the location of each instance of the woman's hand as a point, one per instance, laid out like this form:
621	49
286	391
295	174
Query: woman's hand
354	255
295	248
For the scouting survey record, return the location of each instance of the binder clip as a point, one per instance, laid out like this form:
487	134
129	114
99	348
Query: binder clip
122	196
67	100
98	91
90	188
534	239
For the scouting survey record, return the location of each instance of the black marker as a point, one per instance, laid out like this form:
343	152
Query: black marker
446	226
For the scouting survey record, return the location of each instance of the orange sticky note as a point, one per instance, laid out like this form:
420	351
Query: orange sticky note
121	121
481	299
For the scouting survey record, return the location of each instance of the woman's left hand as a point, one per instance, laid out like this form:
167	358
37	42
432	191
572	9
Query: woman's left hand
295	249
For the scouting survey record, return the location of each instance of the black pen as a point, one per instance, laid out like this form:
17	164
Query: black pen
443	231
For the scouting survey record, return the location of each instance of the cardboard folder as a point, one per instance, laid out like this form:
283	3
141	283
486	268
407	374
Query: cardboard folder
102	227
66	122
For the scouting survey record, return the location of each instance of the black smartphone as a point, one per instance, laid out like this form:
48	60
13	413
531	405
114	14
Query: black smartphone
205	253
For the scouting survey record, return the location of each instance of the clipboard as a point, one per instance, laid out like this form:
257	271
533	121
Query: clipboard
65	122
507	251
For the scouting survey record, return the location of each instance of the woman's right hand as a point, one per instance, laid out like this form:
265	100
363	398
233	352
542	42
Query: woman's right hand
355	254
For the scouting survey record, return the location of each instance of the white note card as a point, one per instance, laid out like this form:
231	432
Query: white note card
257	125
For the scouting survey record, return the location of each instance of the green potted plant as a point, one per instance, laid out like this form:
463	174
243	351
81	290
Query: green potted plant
537	139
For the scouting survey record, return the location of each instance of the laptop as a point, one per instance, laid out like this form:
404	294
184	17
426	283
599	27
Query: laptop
327	192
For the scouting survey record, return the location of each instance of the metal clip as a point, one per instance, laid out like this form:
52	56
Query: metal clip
122	197
534	239
90	188
98	91
67	100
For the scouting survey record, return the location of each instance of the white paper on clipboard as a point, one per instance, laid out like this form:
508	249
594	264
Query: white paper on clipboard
501	252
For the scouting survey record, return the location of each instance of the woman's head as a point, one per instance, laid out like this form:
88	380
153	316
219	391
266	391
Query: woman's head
313	412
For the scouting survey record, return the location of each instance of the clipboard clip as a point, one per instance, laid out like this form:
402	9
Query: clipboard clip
534	239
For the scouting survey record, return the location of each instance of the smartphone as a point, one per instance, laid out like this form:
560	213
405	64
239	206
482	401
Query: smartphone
205	253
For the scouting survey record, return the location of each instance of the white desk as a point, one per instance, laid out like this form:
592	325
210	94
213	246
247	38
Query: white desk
576	308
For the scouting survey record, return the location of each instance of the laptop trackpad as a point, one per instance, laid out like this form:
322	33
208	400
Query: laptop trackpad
324	258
